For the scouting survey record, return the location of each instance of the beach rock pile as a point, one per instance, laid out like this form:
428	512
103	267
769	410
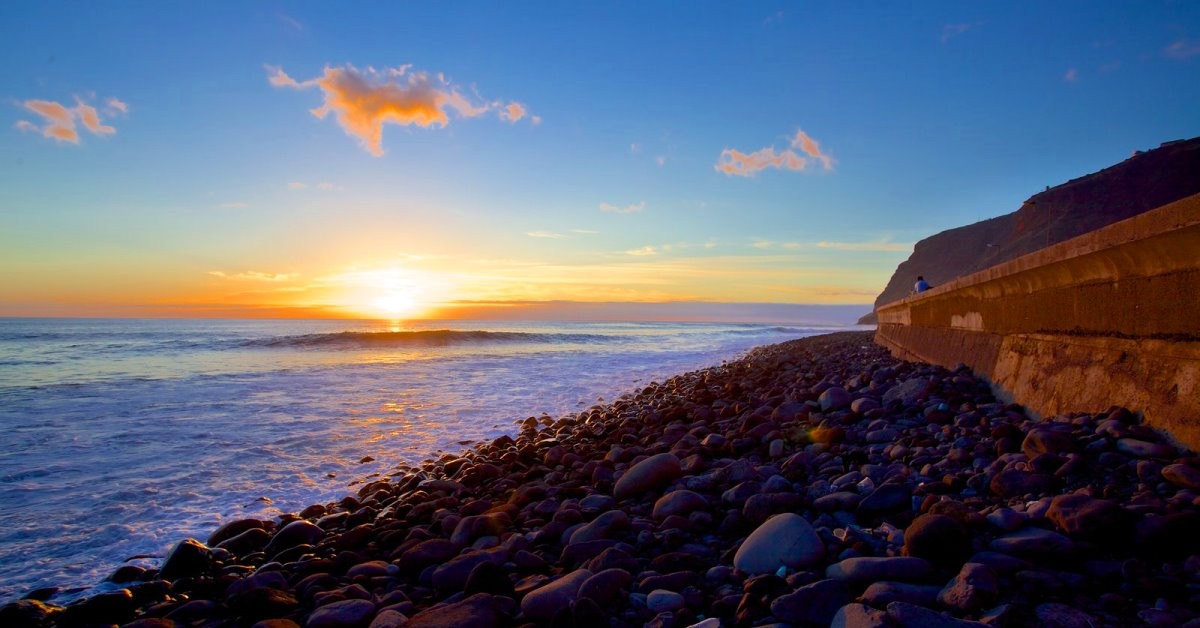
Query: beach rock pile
815	482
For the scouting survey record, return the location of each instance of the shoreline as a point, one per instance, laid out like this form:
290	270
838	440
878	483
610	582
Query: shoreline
907	489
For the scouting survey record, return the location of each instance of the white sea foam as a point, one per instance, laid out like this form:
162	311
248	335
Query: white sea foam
123	437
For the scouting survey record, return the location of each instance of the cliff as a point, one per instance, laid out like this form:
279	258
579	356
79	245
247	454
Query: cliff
1144	181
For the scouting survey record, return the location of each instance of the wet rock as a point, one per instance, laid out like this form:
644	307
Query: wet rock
189	557
974	587
249	541
21	613
783	540
295	533
814	603
650	474
939	539
343	614
874	568
543	603
477	611
113	607
234	528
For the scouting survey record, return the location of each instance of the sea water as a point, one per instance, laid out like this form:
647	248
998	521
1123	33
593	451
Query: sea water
121	437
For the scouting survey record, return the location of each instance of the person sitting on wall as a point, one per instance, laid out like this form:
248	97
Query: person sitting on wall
921	285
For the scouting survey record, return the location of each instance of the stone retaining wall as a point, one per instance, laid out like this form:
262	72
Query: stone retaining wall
1108	318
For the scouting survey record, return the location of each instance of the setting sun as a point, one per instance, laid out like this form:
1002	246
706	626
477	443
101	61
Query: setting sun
395	304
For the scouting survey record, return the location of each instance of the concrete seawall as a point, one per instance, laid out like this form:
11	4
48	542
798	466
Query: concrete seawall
1111	317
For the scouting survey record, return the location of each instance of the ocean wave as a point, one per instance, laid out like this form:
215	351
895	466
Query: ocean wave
423	338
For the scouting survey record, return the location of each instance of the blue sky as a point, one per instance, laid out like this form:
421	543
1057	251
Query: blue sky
207	188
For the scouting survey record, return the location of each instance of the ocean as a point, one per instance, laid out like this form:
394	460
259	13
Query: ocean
121	437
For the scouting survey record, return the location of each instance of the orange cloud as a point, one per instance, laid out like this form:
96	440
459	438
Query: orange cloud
811	148
363	101
59	123
87	114
253	275
59	120
735	162
513	112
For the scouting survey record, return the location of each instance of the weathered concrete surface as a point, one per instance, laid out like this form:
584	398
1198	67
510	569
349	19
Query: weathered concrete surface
1111	317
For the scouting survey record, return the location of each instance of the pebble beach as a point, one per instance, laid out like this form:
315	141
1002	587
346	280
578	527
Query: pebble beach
814	482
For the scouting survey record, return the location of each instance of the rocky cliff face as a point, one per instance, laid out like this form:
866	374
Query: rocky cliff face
1144	181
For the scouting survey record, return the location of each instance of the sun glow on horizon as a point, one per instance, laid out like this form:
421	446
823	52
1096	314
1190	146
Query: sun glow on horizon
391	293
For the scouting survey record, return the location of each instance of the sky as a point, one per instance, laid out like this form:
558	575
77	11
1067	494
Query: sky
317	159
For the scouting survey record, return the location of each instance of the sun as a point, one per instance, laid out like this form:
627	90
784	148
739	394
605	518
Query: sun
396	304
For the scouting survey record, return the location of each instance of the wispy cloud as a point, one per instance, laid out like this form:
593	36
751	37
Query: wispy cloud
362	101
1071	76
735	162
628	209
1182	49
253	275
950	31
59	121
774	18
234	205
115	105
546	234
660	160
642	252
323	186
291	22
866	246
812	148
585	231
